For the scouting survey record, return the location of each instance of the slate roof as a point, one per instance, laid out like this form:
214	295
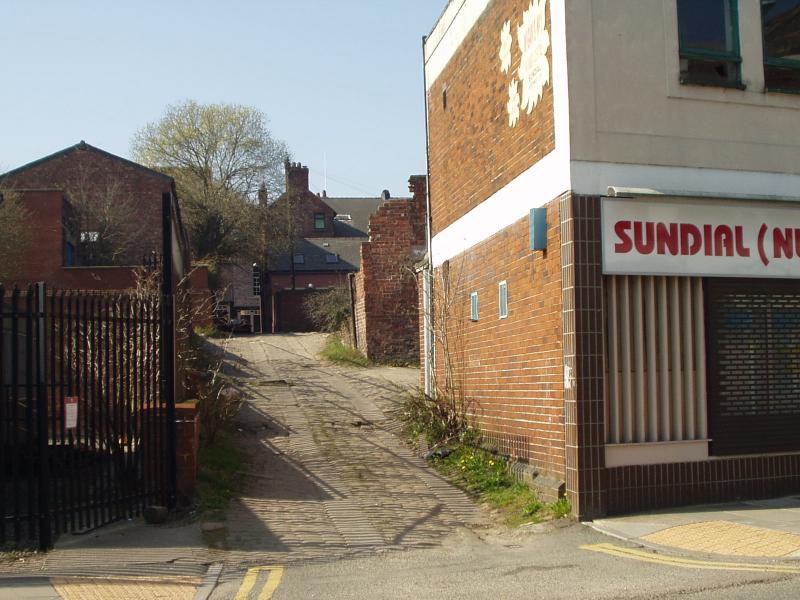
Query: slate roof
314	251
360	209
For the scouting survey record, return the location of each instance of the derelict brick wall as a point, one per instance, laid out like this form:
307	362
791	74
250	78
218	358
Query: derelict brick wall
105	178
391	306
509	369
473	150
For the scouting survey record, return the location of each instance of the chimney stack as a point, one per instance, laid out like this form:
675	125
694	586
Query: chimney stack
296	178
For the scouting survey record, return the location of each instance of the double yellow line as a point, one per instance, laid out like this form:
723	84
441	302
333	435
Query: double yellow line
688	563
274	575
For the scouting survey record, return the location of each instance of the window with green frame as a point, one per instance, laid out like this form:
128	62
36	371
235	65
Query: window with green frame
319	221
781	28
708	31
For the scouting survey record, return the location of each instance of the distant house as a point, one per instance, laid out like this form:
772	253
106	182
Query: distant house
326	248
94	217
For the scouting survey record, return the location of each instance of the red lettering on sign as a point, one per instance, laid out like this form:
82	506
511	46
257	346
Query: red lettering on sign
667	238
782	242
625	244
691	239
741	249
643	246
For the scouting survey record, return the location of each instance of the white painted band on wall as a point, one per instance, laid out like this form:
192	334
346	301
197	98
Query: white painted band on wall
553	176
453	27
543	182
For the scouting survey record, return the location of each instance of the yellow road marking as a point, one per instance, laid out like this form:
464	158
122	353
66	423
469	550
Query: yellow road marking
275	573
687	563
273	581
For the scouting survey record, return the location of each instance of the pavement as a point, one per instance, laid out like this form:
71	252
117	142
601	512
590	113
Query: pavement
337	506
757	529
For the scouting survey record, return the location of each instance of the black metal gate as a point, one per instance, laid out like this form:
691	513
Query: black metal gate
753	350
84	436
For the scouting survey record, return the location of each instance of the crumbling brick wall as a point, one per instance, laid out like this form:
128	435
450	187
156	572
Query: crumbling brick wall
386	295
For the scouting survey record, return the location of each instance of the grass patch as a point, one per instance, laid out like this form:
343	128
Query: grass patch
208	331
218	481
338	352
488	478
483	474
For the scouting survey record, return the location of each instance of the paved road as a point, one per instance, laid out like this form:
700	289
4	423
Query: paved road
337	507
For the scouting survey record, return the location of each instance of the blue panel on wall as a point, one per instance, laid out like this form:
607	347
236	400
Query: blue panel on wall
538	225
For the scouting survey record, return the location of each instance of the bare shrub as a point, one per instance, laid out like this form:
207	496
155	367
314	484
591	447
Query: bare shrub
329	309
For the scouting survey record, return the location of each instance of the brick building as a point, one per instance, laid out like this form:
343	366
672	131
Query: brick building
94	216
606	181
326	247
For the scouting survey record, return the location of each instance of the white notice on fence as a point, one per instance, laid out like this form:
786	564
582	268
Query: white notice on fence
71	412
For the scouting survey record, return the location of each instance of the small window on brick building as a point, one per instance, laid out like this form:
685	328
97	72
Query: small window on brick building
503	299
256	280
473	306
319	221
331	258
299	259
780	25
708	32
444	98
69	255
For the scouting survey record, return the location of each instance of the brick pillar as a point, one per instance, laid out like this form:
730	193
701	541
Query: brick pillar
582	296
187	446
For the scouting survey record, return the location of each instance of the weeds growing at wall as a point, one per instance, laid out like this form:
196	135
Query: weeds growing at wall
456	452
218	479
340	353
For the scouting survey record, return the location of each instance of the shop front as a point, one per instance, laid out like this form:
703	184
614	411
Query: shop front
702	349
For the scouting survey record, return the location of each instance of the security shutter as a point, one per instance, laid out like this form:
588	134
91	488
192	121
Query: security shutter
753	349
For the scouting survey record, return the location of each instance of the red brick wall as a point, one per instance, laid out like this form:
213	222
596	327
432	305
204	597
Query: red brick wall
387	316
510	370
473	151
104	176
44	256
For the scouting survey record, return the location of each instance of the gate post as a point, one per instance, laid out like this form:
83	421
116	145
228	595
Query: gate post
45	532
168	346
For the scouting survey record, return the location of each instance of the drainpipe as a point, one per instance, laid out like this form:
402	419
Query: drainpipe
429	343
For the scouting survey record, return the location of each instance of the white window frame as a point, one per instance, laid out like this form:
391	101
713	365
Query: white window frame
473	306
502	299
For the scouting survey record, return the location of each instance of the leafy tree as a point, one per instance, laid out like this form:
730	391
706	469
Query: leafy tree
221	156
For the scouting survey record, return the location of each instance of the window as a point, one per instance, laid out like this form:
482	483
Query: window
503	299
780	25
319	221
331	258
69	255
256	280
473	306
709	42
299	259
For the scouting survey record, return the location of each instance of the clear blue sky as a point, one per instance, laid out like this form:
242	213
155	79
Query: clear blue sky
337	78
